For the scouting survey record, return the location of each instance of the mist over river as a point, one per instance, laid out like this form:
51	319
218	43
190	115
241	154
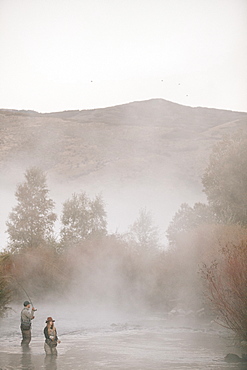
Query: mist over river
104	338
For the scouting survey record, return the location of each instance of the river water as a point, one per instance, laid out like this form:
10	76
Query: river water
93	340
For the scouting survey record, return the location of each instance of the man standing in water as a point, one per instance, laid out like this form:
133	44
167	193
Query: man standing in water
26	317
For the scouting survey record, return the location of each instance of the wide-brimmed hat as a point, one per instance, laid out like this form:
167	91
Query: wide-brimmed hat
49	319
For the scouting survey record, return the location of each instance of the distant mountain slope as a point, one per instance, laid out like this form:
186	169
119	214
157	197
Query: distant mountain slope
136	140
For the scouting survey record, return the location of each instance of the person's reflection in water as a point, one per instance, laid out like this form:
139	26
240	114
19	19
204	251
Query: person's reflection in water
51	362
26	359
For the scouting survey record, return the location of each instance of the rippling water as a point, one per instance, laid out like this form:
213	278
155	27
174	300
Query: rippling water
105	339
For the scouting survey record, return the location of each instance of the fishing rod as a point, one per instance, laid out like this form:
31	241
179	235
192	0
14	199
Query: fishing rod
29	299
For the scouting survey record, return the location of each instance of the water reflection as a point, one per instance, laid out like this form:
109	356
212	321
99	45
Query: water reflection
51	362
26	359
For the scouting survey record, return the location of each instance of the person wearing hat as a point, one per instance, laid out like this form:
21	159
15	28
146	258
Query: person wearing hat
26	317
51	339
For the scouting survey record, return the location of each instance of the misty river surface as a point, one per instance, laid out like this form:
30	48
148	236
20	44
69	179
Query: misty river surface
99	340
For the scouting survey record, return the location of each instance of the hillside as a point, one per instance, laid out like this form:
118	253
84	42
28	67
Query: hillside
155	145
125	141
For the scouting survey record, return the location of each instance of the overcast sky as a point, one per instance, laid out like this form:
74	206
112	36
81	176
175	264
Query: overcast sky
79	54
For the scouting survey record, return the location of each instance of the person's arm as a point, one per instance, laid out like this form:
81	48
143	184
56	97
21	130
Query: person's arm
46	333
56	338
28	314
31	313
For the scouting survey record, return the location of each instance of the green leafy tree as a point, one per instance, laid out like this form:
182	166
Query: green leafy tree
31	222
225	179
188	218
82	218
225	184
143	233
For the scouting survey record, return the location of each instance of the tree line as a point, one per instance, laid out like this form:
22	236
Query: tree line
31	222
203	265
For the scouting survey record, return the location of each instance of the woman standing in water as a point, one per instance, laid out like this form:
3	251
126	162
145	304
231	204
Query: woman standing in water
51	339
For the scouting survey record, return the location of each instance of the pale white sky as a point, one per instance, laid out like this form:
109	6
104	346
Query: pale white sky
79	54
